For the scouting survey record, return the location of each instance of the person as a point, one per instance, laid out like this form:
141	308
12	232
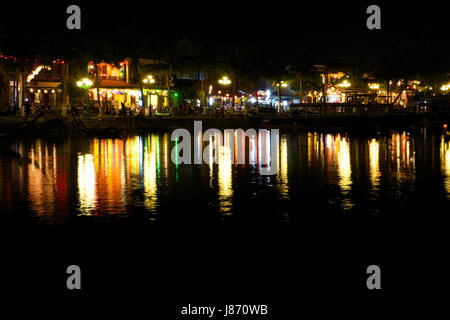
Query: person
42	109
4	111
123	110
27	110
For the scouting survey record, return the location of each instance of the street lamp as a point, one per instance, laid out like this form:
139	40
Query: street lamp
280	85
85	84
283	84
225	82
374	86
149	79
344	84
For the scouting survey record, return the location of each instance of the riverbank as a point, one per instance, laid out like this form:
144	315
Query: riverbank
122	126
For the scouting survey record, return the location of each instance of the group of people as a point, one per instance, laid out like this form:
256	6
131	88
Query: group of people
34	109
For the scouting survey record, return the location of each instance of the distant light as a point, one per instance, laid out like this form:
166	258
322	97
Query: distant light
34	73
344	84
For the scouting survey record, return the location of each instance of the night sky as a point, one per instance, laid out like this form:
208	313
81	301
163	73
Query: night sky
332	29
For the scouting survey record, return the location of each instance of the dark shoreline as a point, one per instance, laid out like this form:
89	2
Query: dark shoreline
109	126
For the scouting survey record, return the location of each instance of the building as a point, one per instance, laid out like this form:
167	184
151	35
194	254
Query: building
42	85
118	86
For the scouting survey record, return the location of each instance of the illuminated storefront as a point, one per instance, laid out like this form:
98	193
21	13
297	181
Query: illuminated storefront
158	99
114	97
116	90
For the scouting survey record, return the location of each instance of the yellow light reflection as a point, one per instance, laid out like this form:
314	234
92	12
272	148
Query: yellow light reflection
42	185
86	183
134	154
344	170
110	174
374	157
445	164
283	169
344	167
224	176
150	170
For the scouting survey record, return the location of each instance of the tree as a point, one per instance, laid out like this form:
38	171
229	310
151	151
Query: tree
4	89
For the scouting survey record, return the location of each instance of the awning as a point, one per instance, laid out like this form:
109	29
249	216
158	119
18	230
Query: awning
43	85
108	84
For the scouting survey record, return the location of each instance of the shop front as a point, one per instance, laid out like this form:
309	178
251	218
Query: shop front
157	100
46	94
129	96
115	94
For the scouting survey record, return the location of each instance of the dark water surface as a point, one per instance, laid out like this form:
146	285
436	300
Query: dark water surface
59	181
122	210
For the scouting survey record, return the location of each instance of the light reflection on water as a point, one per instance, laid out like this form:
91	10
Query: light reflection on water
225	180
374	158
342	147
445	162
100	177
151	171
87	186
